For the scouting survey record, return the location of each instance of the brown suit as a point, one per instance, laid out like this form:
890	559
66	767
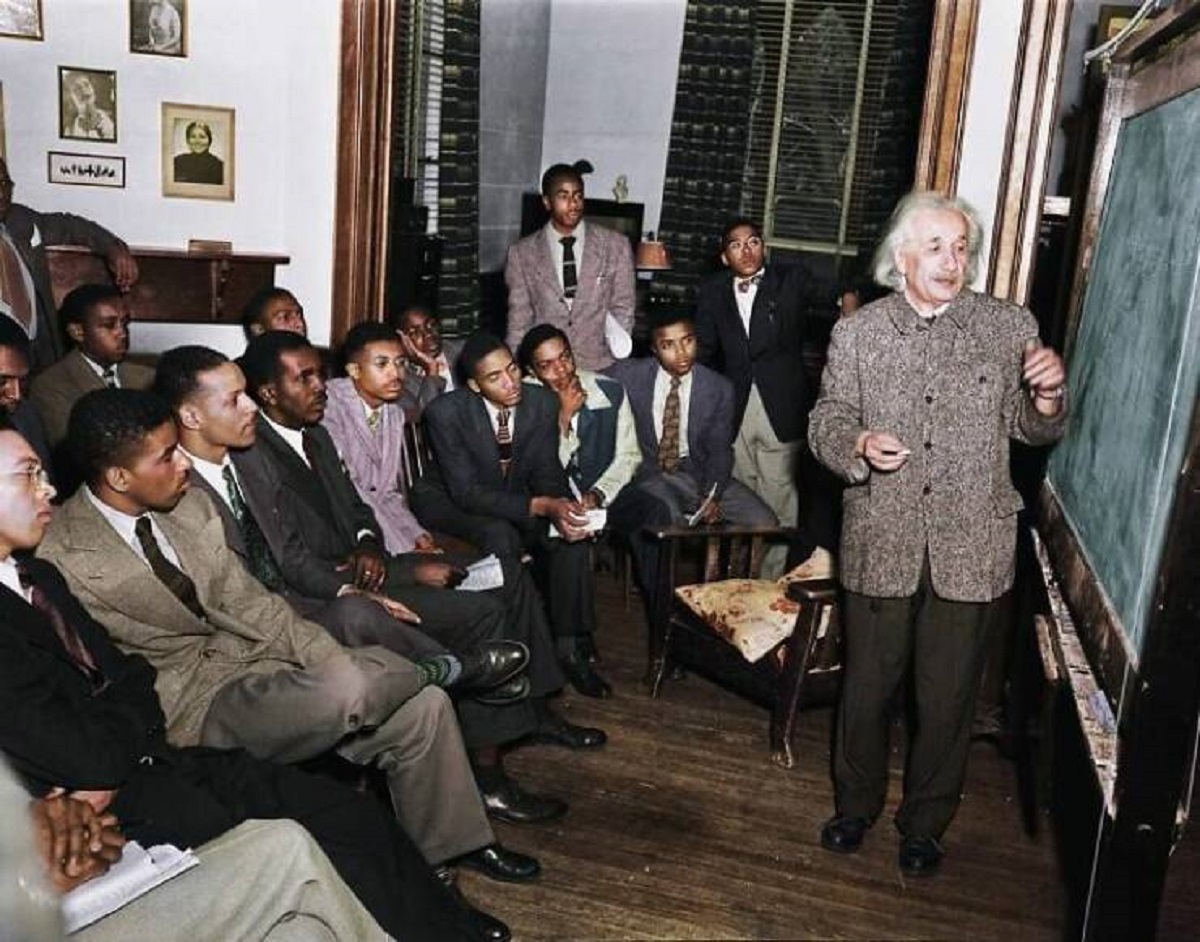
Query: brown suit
254	674
57	388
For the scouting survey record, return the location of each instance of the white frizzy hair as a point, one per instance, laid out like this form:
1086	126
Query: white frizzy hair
897	233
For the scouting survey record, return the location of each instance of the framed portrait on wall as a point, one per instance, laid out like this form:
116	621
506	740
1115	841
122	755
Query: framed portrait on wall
21	19
197	151
87	104
158	27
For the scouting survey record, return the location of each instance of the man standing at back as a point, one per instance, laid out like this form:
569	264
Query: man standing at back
570	274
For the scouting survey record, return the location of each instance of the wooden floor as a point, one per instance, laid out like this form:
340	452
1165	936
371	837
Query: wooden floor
681	828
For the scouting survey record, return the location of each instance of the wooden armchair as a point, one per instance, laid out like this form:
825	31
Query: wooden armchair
774	645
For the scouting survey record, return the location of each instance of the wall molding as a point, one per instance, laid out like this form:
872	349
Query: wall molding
951	53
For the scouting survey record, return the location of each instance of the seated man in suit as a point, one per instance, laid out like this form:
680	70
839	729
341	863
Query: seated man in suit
14	386
330	539
80	716
97	319
497	482
429	370
237	667
597	442
570	274
273	309
751	322
26	296
684	417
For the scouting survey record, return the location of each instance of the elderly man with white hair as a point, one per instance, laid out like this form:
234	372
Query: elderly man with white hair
922	391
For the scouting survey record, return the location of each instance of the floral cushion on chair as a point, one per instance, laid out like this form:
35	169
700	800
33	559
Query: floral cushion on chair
753	615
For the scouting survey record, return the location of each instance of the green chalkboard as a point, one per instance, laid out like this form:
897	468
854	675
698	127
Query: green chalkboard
1134	365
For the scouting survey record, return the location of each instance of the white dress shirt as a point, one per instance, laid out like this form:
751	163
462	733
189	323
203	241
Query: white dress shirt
124	524
662	386
745	299
10	579
293	436
213	474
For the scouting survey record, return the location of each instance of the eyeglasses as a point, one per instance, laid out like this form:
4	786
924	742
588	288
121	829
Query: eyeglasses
736	245
36	477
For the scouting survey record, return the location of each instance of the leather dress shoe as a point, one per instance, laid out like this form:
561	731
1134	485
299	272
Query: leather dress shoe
920	856
482	926
844	835
499	863
558	732
509	802
491	664
583	677
513	690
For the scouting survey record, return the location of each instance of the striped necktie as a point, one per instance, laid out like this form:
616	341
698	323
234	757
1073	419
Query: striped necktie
570	277
80	656
504	439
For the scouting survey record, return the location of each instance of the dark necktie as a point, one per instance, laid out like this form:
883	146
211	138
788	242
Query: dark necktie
170	575
67	633
570	279
109	375
309	445
258	552
668	443
12	282
744	284
504	440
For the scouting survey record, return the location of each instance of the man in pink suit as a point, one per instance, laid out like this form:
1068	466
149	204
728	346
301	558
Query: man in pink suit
571	275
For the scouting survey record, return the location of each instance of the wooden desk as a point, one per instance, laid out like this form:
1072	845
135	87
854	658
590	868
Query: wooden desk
174	286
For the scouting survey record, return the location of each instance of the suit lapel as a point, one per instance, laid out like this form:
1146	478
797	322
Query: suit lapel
233	534
83	377
591	266
479	429
31	625
762	316
542	263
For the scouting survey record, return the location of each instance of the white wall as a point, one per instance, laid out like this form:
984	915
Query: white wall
274	61
989	95
610	92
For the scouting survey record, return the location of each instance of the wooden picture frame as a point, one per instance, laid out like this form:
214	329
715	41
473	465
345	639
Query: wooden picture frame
158	28
21	19
85	169
191	167
87	104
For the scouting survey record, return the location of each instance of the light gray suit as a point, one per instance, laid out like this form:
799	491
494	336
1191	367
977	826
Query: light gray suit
254	674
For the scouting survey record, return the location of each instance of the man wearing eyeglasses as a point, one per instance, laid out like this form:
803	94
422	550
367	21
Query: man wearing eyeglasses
431	360
750	326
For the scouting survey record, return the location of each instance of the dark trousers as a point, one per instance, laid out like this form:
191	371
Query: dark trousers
633	509
945	643
193	795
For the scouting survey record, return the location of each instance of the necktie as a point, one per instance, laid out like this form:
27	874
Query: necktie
744	284
170	575
668	443
374	418
504	440
67	634
310	447
258	551
12	282
570	280
110	377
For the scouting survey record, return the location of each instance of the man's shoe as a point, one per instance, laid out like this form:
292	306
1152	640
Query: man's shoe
491	664
558	732
481	925
509	802
513	690
583	677
500	863
920	856
844	835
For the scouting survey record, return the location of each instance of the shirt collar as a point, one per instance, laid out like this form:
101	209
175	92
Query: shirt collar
96	367
120	521
293	436
10	578
212	472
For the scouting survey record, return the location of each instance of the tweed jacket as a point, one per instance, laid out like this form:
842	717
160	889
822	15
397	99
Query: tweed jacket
247	629
31	232
605	286
951	392
710	421
373	461
57	388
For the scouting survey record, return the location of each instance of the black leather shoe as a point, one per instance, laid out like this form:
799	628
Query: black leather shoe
513	804
583	677
482	926
844	835
500	863
920	856
513	690
558	732
491	664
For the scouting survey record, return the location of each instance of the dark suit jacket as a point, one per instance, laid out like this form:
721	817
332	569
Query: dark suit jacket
467	458
31	232
772	356
710	421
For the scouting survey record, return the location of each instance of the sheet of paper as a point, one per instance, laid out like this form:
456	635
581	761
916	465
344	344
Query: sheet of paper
137	872
704	505
483	574
597	520
619	341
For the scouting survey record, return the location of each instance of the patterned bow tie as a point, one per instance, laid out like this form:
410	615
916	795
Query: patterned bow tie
744	284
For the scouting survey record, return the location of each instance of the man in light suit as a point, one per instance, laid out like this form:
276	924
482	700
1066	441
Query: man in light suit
684	417
430	370
84	729
570	274
96	318
25	290
237	667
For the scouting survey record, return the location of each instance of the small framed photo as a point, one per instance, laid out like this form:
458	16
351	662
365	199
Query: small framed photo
197	151
87	104
21	19
158	27
85	169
